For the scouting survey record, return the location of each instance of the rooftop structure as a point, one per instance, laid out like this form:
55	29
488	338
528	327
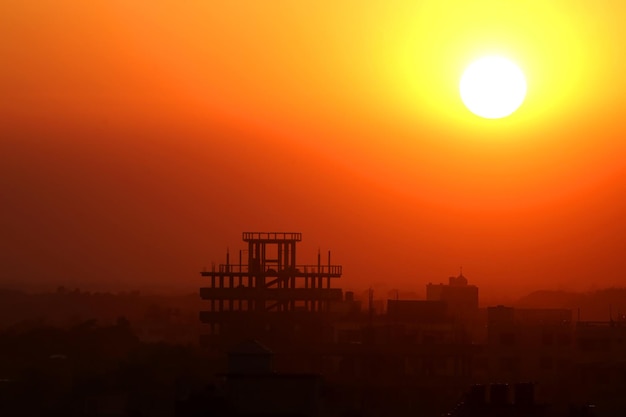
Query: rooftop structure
462	298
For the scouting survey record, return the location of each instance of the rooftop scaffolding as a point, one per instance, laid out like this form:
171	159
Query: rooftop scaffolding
268	281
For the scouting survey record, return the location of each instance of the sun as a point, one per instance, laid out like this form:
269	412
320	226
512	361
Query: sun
493	87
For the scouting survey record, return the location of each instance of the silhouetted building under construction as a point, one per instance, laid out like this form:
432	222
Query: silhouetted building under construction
250	297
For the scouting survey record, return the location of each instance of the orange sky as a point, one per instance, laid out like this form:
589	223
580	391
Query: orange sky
140	138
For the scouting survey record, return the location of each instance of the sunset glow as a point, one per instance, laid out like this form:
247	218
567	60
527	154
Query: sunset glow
147	134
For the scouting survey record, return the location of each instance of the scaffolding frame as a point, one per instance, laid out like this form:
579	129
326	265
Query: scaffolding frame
270	281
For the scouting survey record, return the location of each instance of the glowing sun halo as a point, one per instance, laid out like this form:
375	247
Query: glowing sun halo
492	87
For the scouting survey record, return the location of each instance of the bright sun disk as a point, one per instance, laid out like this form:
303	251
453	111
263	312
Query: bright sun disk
492	87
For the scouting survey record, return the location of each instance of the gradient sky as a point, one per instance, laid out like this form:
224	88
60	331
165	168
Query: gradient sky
140	138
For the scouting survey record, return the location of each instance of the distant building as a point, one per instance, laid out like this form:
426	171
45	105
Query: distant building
600	357
500	400
528	344
253	388
421	311
422	322
460	297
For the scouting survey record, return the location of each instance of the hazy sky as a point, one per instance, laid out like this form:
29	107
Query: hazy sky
138	139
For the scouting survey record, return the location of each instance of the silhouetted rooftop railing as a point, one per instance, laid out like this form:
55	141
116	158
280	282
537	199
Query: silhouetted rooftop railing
230	268
271	236
320	269
300	270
